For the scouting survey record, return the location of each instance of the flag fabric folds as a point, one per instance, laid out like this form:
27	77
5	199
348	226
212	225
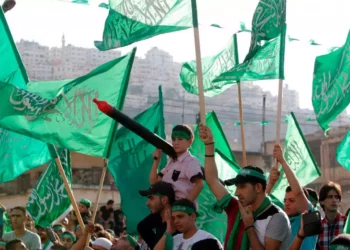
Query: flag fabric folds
331	84
130	21
49	202
65	116
265	59
299	158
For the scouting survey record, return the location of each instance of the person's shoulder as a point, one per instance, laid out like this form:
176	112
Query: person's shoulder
32	234
280	215
8	235
178	237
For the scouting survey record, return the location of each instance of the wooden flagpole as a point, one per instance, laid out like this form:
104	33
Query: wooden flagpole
244	155
198	62
240	105
69	190
98	196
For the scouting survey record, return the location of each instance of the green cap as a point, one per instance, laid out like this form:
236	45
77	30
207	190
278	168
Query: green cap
86	202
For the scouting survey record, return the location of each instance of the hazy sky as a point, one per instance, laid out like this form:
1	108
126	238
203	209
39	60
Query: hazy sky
325	21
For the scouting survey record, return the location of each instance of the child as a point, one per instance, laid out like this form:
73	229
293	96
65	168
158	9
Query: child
184	174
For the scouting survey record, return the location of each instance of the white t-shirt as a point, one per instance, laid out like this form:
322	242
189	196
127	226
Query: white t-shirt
186	244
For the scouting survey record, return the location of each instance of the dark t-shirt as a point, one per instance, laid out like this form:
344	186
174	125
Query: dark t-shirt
106	213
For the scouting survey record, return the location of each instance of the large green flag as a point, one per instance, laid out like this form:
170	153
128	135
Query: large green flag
265	59
131	21
343	152
49	202
67	116
131	161
212	67
299	158
18	153
209	220
331	84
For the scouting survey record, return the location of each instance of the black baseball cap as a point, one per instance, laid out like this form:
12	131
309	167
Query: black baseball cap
160	188
247	174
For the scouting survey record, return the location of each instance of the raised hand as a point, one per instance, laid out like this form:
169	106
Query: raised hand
205	134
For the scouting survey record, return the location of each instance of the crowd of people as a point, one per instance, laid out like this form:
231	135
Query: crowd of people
254	220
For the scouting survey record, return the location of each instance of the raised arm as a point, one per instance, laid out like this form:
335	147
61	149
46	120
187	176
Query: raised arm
302	202
153	176
210	169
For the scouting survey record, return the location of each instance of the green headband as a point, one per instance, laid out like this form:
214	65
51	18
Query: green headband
131	240
59	227
250	172
180	134
2	243
181	208
66	235
338	247
86	202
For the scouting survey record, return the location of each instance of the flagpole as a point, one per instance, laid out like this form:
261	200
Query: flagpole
198	62
102	180
240	105
69	191
244	155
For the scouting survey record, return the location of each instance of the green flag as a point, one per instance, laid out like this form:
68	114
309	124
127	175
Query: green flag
49	202
331	84
67	116
343	152
131	161
221	144
18	153
209	220
11	66
129	21
212	67
347	226
299	158
265	59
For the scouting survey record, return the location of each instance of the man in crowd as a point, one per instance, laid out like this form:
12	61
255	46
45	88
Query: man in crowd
184	213
126	242
265	224
295	201
333	223
67	239
18	219
16	244
46	244
160	197
106	215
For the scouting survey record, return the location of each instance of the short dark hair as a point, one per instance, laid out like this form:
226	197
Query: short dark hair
257	169
184	128
325	189
110	202
313	194
22	209
207	244
11	245
289	189
341	239
104	234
